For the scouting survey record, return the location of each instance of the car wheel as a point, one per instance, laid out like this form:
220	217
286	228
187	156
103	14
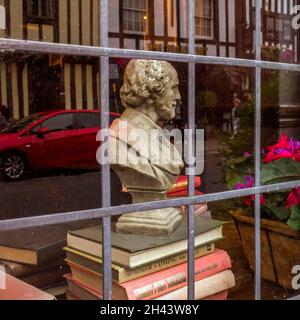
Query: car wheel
13	166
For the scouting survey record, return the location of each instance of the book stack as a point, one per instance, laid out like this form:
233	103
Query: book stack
180	189
149	268
35	256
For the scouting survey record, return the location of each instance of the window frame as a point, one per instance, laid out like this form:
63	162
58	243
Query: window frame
146	22
212	22
277	36
31	18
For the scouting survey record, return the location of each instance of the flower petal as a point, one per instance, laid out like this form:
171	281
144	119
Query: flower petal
293	199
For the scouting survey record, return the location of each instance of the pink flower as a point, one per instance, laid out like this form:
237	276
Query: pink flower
293	199
247	155
249	183
285	148
121	62
287	55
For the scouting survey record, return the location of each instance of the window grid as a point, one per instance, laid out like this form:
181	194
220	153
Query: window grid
204	18
40	10
106	212
135	15
278	29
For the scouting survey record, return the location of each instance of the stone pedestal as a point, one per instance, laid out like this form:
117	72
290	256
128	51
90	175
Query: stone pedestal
159	222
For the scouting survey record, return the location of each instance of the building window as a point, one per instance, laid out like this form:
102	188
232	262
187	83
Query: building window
38	10
204	23
278	29
135	15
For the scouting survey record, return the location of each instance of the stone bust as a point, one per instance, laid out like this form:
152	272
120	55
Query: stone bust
152	164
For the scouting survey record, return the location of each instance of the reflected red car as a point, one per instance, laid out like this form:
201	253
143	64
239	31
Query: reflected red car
52	139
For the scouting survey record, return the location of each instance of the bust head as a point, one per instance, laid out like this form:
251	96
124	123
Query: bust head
151	87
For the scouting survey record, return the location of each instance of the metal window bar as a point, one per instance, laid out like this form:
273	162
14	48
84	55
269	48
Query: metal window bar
191	153
257	146
58	218
11	45
106	212
105	168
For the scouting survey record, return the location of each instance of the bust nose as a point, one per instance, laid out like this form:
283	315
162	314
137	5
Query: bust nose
178	97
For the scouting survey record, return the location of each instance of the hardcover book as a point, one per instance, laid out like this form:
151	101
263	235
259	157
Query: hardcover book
120	274
155	284
19	270
207	287
38	245
132	251
81	291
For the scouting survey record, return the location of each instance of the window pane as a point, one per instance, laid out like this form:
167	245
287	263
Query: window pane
61	122
226	114
280	32
88	120
225	30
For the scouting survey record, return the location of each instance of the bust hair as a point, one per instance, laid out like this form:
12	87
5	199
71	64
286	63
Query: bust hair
144	82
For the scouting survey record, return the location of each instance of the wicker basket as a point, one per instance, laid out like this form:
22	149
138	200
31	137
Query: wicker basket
280	247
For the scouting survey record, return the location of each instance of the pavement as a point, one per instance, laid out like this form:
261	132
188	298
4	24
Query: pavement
57	194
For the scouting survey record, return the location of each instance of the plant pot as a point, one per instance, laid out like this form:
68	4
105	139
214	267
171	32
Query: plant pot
280	247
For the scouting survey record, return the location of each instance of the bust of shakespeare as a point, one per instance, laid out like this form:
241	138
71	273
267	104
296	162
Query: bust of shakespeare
145	160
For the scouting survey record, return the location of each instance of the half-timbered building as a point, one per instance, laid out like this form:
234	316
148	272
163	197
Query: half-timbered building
31	83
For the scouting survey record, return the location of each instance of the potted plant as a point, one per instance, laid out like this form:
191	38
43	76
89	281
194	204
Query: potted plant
280	211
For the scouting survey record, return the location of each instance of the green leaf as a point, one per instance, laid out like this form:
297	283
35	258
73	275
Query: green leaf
277	198
294	221
278	171
233	178
237	169
281	213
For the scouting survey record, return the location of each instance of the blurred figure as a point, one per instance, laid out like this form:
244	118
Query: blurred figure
248	97
5	112
3	122
235	119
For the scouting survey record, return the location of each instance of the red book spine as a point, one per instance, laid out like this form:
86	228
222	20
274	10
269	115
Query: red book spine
162	282
180	188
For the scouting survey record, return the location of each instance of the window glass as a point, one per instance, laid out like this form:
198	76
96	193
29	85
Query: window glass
135	15
22	124
59	123
222	28
204	18
88	120
40	9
